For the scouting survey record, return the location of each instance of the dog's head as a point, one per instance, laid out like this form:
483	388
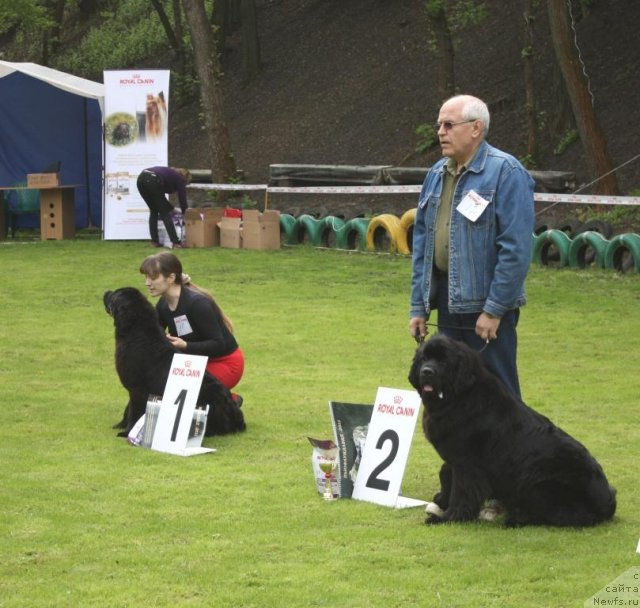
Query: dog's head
443	368
129	308
155	114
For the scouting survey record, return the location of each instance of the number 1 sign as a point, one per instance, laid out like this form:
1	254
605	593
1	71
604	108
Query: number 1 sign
178	403
386	448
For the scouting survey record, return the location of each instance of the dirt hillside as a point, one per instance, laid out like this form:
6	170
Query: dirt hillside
349	82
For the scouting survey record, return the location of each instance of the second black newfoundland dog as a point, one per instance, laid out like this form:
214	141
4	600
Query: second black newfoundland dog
143	362
494	447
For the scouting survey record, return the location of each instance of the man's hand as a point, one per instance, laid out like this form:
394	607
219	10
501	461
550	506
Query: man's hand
487	326
418	329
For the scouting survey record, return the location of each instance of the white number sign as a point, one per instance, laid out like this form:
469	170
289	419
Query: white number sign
386	448
178	403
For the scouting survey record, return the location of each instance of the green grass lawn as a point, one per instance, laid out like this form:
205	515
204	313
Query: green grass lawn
89	521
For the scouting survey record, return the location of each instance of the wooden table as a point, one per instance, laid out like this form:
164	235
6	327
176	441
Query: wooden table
57	212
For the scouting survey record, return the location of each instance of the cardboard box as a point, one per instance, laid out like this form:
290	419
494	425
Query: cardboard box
261	230
43	180
57	214
231	232
201	227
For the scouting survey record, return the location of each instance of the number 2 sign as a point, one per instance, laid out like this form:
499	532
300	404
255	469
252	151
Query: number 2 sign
386	448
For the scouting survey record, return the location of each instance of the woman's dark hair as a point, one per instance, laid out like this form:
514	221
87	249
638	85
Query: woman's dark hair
167	264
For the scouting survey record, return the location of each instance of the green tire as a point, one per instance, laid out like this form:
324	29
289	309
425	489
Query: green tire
287	224
353	235
549	242
623	253
307	230
588	248
331	225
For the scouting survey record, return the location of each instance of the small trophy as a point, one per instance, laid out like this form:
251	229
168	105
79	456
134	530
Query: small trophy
324	460
328	466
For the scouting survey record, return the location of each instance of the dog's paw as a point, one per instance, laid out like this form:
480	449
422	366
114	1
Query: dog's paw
434	519
442	501
123	434
119	425
491	511
433	509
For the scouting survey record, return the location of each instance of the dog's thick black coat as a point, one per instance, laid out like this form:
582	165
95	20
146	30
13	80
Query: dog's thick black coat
143	361
495	447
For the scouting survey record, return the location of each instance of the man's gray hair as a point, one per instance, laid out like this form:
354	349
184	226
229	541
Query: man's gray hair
475	109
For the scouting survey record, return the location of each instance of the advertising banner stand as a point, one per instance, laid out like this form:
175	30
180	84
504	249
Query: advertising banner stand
135	137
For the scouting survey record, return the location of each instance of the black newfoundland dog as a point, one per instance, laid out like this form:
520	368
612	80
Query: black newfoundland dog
143	362
494	447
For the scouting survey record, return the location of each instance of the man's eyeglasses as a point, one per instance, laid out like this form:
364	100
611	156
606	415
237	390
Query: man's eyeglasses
448	125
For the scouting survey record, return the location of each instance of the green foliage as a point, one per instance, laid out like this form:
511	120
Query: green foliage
30	14
184	87
528	162
467	13
428	137
434	6
129	35
569	137
620	216
89	521
459	14
541	120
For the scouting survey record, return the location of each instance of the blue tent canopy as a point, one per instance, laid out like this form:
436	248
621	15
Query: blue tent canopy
48	116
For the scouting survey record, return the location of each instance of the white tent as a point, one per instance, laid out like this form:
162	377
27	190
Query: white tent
62	80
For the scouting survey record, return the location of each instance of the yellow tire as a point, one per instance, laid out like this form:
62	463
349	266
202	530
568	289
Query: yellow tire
407	221
385	233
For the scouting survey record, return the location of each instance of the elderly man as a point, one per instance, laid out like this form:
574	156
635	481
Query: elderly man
472	240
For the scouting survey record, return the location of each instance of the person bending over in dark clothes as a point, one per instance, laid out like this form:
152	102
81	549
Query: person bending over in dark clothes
154	184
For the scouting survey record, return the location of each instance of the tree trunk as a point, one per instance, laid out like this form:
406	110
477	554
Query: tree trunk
530	87
166	25
591	135
444	51
51	36
251	45
208	70
180	51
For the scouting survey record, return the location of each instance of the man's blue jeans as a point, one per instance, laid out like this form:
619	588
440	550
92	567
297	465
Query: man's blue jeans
499	355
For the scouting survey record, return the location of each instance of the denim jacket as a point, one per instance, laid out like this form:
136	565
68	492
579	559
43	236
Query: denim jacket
488	258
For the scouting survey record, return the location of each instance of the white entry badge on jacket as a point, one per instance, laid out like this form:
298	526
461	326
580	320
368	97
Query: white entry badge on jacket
472	205
182	325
